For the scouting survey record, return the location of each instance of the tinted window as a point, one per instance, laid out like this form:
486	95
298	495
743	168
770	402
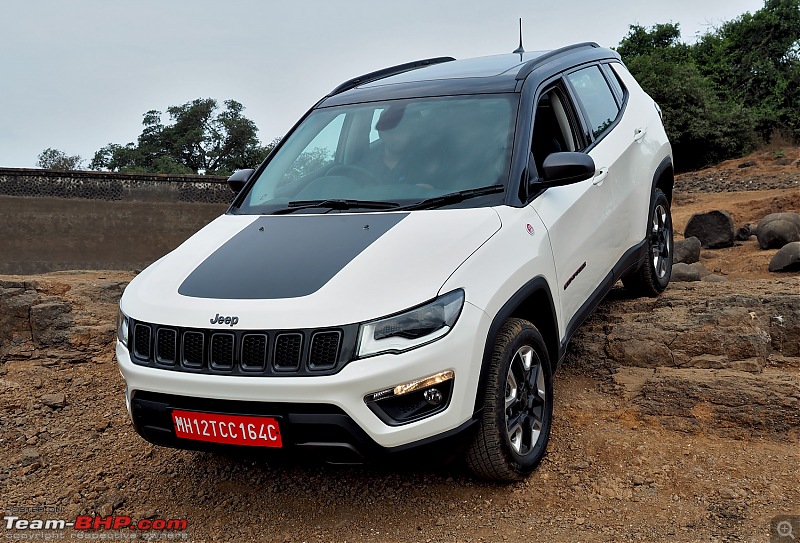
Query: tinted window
318	153
552	132
616	84
398	151
596	96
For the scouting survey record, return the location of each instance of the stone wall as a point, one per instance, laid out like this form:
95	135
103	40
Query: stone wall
51	220
112	186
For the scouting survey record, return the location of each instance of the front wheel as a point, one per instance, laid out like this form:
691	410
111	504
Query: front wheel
653	275
518	406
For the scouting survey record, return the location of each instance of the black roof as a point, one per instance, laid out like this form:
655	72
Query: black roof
445	75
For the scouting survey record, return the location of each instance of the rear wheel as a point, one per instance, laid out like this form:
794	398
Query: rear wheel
653	275
518	406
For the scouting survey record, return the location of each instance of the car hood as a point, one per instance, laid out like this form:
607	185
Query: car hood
305	271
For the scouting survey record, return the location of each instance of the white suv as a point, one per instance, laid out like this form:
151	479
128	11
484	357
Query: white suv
406	269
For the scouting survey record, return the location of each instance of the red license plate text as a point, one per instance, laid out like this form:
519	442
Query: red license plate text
228	429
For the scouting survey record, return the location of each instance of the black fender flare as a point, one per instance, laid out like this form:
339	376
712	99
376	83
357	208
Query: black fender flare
533	287
665	165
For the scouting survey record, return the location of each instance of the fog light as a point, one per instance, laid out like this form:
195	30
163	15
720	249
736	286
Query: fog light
433	396
414	400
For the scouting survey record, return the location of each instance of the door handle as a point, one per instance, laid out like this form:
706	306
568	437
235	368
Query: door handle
638	134
600	176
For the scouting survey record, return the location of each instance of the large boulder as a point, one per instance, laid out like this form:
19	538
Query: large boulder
51	323
787	259
777	229
714	229
686	251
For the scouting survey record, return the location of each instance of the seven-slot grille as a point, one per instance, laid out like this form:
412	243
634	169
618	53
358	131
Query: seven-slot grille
262	352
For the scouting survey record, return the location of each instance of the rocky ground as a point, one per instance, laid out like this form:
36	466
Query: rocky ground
676	419
775	168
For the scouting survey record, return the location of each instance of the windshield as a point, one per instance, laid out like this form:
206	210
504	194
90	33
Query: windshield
401	151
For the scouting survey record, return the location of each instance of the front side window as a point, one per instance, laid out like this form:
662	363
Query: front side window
552	130
596	96
399	151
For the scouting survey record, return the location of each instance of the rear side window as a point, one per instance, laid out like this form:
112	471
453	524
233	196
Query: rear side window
615	82
596	97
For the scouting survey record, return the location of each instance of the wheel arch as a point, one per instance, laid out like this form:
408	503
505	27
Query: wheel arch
534	303
664	178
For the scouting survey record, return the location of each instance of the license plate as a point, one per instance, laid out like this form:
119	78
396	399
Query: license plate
227	429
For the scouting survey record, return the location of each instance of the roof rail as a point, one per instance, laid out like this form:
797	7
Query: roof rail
386	72
531	65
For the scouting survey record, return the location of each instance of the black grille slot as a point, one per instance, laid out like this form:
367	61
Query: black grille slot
254	352
166	346
324	349
193	343
141	341
222	351
288	348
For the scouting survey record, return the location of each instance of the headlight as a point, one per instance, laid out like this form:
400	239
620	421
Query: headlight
122	327
411	328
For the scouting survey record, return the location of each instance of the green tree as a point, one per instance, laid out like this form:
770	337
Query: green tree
54	159
661	37
738	81
704	125
756	60
198	139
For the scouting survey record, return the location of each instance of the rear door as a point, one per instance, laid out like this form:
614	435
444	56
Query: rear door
640	124
611	138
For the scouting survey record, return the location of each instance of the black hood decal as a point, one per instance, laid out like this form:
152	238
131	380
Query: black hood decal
285	257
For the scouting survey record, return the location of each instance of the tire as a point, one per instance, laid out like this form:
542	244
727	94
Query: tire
517	411
653	275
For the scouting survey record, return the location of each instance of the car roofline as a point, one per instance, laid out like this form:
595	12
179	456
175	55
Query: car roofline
387	72
522	73
531	65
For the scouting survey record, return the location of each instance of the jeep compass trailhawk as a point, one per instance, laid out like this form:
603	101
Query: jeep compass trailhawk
406	268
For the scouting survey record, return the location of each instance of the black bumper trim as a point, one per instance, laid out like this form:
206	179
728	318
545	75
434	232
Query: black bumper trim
321	431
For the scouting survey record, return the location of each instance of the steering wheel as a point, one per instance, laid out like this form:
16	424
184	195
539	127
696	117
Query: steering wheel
356	173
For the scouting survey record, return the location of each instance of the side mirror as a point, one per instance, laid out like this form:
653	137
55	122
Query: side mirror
566	168
239	179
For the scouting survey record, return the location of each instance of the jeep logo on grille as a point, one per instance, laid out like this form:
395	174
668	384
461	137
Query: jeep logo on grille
219	319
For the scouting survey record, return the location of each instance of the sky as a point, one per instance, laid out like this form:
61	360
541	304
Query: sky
77	75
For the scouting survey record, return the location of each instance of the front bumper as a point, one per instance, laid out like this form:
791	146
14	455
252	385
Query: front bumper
318	431
337	400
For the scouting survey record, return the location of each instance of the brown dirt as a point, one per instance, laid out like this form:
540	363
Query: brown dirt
746	260
676	419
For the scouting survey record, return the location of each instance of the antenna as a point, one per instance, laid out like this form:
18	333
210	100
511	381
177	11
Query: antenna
519	49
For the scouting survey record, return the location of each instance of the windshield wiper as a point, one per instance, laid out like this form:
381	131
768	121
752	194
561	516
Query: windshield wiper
335	204
452	198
